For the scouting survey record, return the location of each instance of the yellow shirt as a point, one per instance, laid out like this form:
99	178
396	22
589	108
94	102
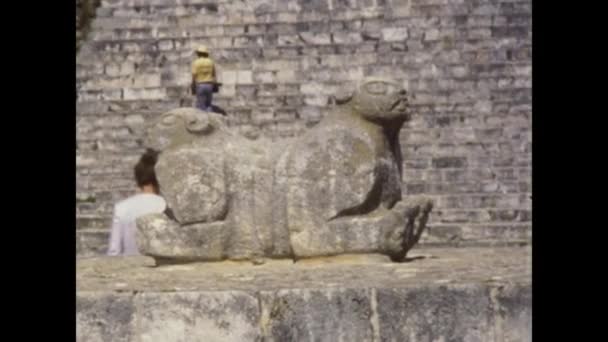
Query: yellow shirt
203	69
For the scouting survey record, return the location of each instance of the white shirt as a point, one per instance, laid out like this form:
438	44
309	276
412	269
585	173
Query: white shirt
122	237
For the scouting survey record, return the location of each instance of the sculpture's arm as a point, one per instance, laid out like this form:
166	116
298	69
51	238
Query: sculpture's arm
358	185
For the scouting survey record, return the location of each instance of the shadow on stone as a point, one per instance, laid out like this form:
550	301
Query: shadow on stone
218	110
414	258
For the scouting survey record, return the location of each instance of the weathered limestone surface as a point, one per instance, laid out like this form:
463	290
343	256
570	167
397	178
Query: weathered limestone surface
454	294
468	63
334	190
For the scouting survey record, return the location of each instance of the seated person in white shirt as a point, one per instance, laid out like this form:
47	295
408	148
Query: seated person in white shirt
147	201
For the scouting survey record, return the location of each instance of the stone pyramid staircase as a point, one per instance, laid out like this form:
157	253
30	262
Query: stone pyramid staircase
467	65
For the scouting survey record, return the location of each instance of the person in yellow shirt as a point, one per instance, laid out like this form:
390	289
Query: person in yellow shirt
203	78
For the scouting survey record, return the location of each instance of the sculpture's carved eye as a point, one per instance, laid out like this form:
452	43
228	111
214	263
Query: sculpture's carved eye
169	120
198	125
376	88
381	88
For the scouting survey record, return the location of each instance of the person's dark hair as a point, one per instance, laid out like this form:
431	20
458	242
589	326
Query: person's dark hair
144	169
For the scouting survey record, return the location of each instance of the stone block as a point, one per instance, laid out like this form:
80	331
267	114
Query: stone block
144	93
433	313
165	45
514	312
393	34
347	37
115	69
228	90
147	81
227	76
286	76
244	77
194	316
310	113
449	162
318	100
94	324
317	315
315	38
264	77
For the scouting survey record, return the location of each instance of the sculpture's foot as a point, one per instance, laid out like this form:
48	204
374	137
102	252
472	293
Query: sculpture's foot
168	242
390	232
415	212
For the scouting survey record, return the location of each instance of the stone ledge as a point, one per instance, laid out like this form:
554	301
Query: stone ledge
473	294
428	266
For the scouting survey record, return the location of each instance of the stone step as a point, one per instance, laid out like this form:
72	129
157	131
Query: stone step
285	35
423	139
511	186
486	233
481	216
92	242
434	110
177	93
316	58
104	209
121	18
161	3
437	28
449	294
230	97
95	223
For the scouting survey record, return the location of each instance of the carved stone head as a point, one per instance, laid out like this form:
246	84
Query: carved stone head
180	126
377	99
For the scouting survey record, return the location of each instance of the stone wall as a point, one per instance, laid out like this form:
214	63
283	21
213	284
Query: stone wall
447	294
467	65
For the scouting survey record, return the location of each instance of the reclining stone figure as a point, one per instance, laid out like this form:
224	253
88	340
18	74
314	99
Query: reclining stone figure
334	190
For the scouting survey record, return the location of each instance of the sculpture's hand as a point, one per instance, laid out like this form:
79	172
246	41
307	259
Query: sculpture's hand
415	211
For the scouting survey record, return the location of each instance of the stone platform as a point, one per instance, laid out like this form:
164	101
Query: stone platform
448	294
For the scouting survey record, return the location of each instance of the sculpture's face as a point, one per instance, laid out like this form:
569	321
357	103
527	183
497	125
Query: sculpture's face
381	100
177	127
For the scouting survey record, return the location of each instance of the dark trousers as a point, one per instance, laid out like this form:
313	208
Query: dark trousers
204	96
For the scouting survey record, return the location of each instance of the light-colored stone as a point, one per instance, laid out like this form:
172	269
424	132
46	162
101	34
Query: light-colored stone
191	316
393	34
92	324
244	77
147	81
144	93
228	76
315	38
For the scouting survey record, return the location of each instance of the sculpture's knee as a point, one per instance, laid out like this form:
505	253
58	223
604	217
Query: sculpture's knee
193	181
160	237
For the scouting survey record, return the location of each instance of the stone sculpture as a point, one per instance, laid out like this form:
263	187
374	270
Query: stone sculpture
334	190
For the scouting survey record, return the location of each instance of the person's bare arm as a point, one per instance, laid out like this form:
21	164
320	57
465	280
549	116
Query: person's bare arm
193	71
115	245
